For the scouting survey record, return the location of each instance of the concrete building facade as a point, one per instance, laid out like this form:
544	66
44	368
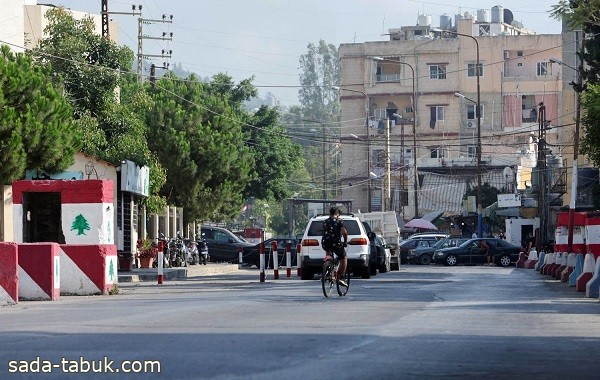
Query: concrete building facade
515	77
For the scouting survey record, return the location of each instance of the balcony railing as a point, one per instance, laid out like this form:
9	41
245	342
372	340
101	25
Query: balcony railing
387	77
536	78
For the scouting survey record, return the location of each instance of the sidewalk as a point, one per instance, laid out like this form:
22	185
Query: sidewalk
151	274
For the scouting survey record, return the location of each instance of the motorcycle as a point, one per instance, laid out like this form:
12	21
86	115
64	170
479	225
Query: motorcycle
192	257
178	254
203	251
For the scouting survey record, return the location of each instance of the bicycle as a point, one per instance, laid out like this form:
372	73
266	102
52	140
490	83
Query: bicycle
328	277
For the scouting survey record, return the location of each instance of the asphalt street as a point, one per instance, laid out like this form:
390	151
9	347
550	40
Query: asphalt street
417	323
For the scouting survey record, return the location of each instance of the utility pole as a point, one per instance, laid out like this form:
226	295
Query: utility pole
387	177
141	37
104	12
542	186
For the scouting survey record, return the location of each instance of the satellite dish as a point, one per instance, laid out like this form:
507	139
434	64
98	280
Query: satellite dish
508	16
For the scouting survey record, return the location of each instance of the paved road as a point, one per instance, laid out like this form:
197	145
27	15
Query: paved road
421	322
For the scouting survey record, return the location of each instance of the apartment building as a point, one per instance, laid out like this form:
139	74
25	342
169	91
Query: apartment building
432	118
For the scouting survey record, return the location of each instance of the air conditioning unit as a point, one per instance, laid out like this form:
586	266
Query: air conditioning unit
470	124
506	54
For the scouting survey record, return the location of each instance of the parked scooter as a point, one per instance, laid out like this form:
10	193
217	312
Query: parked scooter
203	251
192	257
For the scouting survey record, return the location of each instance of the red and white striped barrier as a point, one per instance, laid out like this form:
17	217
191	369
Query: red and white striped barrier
564	277
299	260
592	232
531	259
39	271
275	260
88	269
87	214
557	273
288	260
9	274
522	259
261	250
588	272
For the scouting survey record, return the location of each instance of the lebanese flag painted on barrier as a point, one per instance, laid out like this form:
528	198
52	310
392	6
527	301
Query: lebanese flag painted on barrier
88	269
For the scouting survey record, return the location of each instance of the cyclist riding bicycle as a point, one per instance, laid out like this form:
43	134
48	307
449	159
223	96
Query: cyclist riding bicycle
333	231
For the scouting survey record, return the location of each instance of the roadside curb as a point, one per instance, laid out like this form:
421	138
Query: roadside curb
151	274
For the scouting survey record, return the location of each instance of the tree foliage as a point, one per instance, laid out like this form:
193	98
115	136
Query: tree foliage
585	15
36	125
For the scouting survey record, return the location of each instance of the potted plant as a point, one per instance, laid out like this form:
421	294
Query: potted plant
146	253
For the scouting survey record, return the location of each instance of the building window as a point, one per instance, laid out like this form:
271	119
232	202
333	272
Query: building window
436	113
408	109
379	113
436	152
437	72
378	158
519	53
471	114
471	69
472	151
544	68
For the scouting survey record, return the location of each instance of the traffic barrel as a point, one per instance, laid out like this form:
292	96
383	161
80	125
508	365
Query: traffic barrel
587	274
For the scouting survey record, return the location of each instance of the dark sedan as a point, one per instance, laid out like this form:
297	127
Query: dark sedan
407	245
253	256
424	255
471	252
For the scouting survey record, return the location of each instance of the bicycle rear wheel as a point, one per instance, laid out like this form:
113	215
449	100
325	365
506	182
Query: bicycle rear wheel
341	289
327	278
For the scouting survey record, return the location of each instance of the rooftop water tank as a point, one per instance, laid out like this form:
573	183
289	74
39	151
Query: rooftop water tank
424	20
497	13
457	17
445	22
483	15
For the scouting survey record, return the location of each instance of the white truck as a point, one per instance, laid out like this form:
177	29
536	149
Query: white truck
385	223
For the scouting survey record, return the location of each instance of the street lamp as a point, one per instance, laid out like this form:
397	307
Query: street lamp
572	201
337	88
478	114
414	107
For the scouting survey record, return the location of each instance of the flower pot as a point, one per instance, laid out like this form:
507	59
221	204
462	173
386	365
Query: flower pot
125	264
146	262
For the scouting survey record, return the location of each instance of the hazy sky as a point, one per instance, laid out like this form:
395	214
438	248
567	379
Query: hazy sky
265	38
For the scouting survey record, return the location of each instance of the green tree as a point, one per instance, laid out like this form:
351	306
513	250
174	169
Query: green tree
36	126
489	194
585	15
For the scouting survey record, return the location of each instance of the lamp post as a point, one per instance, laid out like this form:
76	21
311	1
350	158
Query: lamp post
573	198
414	129
368	141
478	114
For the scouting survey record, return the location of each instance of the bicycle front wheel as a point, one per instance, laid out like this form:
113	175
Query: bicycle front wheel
341	288
327	278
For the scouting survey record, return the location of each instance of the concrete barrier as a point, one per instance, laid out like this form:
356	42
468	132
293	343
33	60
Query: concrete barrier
587	273
592	286
551	270
39	271
549	263
556	273
9	274
88	269
569	269
531	259
540	262
577	270
522	259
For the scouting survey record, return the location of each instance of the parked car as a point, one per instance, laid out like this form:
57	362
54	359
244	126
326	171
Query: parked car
384	255
471	252
429	235
424	255
223	244
253	256
312	254
409	244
